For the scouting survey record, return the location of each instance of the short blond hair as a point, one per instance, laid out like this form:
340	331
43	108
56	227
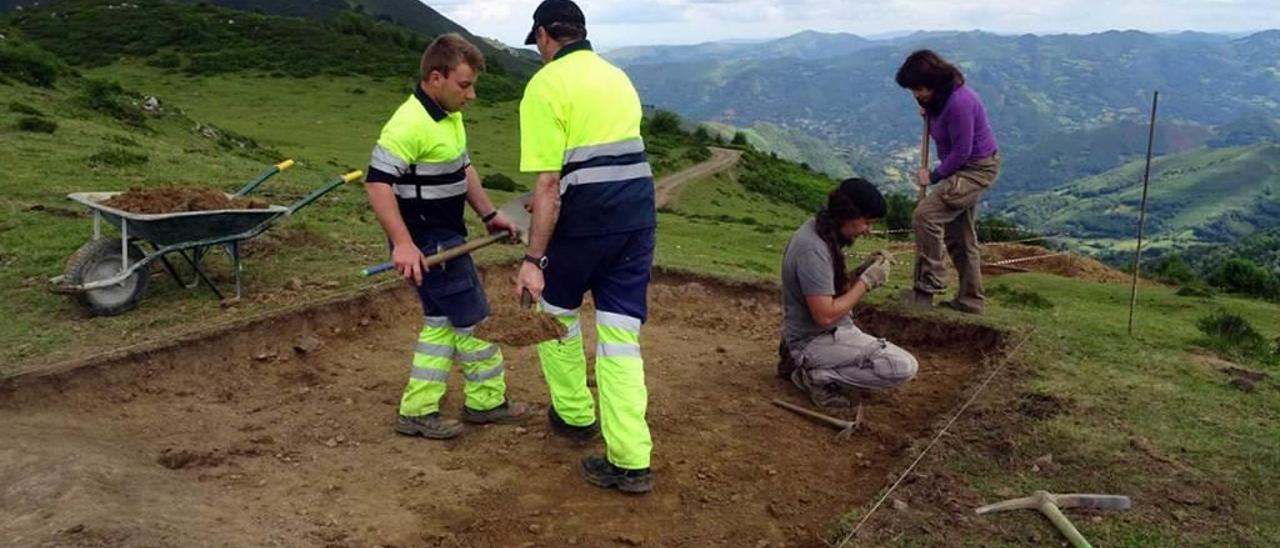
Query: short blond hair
447	52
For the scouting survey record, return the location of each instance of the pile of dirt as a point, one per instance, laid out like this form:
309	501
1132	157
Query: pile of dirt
1067	265
154	201
513	325
244	440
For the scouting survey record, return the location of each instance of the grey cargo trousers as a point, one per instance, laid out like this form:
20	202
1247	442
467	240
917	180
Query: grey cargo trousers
850	358
947	221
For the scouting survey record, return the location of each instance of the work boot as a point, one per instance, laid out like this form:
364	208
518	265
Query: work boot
785	362
960	307
601	473
507	413
576	433
430	426
914	298
820	395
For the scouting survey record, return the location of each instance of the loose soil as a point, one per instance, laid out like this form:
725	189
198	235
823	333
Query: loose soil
255	439
179	200
1071	266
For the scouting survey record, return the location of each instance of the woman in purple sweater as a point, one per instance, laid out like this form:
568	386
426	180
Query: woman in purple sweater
969	164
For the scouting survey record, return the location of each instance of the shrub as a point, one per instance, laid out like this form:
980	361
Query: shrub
665	121
37	125
1232	335
30	65
499	181
739	139
1247	278
900	208
111	99
115	157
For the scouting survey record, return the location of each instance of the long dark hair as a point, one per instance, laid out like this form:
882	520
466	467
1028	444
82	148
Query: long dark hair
926	69
854	199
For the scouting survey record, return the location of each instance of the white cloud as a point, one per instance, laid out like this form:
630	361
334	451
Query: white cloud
618	22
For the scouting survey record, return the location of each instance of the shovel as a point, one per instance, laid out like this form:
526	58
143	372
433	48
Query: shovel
514	210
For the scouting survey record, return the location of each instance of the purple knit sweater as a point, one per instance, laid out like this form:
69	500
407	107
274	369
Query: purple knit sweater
961	132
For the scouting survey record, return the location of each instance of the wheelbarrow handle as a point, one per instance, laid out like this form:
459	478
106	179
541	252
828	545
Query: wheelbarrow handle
262	177
444	256
329	186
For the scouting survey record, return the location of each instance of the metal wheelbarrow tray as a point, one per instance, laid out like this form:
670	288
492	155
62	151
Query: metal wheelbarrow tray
109	276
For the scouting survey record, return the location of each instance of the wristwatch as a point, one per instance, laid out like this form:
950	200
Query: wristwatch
540	262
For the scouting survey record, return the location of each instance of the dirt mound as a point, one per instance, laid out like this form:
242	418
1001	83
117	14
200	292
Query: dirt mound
1067	265
242	441
513	325
179	200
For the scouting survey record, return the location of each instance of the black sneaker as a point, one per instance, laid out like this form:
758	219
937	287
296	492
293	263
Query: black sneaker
601	473
958	307
431	426
786	365
508	413
576	433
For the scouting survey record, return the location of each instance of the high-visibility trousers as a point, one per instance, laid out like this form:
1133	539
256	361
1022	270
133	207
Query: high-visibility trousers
616	269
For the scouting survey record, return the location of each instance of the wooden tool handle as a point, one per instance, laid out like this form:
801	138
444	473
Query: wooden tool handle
921	192
812	414
464	249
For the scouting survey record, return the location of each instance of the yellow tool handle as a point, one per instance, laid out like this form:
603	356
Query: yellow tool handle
353	176
284	165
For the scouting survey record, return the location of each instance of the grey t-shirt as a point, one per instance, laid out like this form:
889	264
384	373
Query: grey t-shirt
806	270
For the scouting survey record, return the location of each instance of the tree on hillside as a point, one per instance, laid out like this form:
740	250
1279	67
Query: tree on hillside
740	139
665	121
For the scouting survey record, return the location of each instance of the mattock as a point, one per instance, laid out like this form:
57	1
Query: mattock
847	428
1050	505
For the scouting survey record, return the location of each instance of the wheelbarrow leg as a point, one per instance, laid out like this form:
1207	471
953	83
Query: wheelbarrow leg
168	266
235	264
195	265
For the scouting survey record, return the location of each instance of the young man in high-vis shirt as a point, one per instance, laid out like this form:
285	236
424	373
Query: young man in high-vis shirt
592	230
419	178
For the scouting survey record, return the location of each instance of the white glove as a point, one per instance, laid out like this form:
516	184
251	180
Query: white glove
877	273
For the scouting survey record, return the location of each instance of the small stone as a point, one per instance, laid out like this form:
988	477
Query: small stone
341	439
1046	459
332	285
1096	519
573	541
771	472
364	322
265	355
521	430
331	443
900	505
262	483
535	528
294	284
307	345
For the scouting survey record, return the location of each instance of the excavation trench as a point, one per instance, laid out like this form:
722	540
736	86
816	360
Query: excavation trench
278	433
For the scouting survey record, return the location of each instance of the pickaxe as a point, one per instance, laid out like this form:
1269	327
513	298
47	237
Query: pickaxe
1050	505
846	428
516	210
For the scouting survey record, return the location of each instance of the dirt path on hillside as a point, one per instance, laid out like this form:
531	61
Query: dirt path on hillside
280	435
669	187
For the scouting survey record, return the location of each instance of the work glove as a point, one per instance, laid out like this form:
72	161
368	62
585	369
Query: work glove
876	271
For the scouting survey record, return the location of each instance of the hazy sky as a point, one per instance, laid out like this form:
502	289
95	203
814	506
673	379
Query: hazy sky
614	23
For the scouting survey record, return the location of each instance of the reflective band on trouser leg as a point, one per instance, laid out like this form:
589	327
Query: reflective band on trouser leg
564	365
483	369
432	360
623	396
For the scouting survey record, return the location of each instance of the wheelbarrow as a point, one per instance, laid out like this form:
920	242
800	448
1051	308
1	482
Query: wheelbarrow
109	276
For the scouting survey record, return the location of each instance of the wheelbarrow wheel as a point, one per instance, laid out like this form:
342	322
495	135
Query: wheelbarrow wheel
100	260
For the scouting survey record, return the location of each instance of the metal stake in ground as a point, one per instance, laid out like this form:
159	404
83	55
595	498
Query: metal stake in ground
1142	216
1050	505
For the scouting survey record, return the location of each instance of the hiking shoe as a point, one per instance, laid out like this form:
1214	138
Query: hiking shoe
786	364
576	433
601	473
820	395
912	298
958	307
431	426
507	413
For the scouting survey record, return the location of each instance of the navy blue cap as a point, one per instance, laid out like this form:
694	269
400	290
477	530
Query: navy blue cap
555	11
